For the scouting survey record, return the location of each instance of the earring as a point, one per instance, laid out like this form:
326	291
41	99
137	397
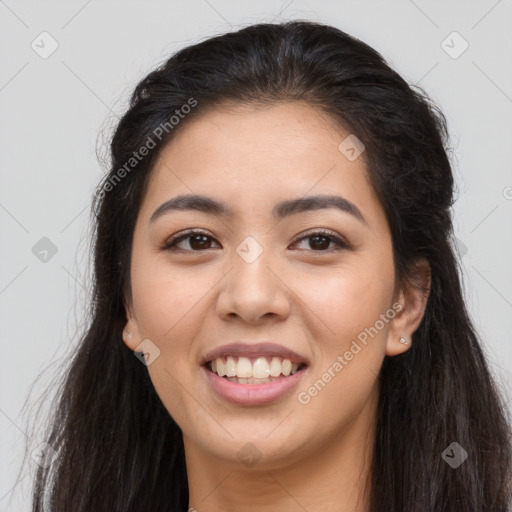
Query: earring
128	334
404	341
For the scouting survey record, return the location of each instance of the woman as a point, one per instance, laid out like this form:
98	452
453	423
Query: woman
274	244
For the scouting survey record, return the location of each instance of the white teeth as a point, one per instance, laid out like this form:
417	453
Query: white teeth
287	367
221	367
260	369
243	368
275	367
252	380
230	367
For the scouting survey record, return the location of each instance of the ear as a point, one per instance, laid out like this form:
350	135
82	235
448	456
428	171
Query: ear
412	297
131	333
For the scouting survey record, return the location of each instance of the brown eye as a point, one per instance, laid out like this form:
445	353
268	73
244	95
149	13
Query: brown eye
319	241
197	241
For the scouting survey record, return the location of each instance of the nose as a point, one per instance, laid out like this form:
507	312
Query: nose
253	291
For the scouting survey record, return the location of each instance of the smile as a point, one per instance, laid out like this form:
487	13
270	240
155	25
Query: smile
254	370
253	381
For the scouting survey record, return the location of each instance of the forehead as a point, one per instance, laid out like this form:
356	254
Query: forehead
254	156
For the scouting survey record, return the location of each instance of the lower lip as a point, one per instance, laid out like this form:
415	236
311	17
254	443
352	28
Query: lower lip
252	394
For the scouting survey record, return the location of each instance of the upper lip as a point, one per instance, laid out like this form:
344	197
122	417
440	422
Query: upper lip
264	349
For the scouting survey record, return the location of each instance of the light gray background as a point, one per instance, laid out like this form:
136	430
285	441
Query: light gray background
53	109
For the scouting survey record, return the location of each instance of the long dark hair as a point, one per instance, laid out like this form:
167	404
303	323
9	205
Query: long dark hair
119	449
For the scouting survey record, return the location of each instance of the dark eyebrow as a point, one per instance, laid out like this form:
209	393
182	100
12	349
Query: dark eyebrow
283	209
319	202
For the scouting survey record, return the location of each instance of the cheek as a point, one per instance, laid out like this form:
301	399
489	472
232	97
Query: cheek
349	355
167	306
350	304
164	297
351	298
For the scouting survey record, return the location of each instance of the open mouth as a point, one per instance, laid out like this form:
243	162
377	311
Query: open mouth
253	370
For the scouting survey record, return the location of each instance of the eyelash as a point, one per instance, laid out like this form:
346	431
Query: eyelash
339	242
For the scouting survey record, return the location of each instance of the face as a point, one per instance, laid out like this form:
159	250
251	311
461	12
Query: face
272	275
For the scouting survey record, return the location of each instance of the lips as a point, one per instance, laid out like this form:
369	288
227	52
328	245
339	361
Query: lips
253	374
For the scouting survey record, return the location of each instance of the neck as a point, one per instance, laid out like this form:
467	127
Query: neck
333	479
